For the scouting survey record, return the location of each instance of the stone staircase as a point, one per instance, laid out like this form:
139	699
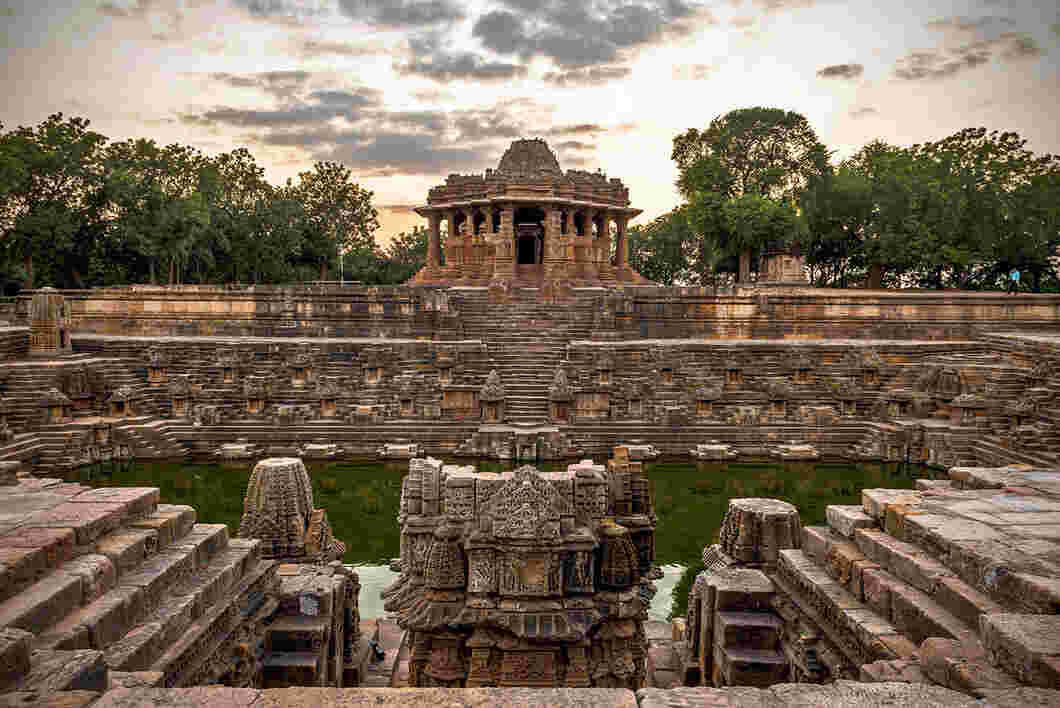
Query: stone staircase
926	585
526	341
153	438
109	580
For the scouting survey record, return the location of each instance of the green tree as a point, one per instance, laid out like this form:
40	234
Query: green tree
664	250
160	208
49	176
766	152
338	216
405	255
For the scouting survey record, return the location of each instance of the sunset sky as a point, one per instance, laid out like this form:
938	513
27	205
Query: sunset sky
405	92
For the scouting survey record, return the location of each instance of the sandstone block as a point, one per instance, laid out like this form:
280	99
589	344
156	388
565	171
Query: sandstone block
1026	646
14	655
97	574
56	544
170	522
747	630
52	671
204	540
963	601
874	502
844	520
42	604
62	699
126	549
89	520
137	501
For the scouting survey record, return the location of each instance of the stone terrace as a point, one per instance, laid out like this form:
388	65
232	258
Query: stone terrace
98	583
955	583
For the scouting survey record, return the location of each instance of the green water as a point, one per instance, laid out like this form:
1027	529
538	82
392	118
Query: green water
690	499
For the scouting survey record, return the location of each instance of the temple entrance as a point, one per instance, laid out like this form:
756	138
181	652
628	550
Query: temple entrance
529	235
527	246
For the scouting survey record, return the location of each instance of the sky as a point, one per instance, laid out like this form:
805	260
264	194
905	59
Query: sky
405	92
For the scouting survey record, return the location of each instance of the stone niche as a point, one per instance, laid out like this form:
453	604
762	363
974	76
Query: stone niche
491	399
460	403
49	323
157	366
524	578
55	407
122	403
560	398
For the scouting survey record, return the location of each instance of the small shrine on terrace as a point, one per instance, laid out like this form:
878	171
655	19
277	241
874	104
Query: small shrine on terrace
528	222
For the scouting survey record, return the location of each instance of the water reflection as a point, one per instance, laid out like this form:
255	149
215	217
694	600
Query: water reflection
690	498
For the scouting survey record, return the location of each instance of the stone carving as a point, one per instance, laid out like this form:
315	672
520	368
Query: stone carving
560	389
278	509
527	507
492	389
476	569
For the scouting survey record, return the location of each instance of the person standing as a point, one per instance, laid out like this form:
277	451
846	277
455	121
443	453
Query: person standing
1014	281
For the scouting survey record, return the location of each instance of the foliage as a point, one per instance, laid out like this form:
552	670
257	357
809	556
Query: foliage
76	211
740	178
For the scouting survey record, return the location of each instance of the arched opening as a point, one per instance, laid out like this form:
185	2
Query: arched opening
529	235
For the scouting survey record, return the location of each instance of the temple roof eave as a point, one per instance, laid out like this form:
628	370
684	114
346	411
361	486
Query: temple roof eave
425	209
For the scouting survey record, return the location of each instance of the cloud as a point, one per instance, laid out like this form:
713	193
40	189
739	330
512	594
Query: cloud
462	66
577	35
781	5
588	76
356	127
968	25
841	71
403	13
742	22
399	208
577	129
691	72
945	63
573	145
317	48
278	83
862	112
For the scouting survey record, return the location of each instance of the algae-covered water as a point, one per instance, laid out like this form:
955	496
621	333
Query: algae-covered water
361	499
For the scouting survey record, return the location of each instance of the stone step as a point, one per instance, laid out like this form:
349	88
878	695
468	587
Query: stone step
858	631
296	633
302	668
189	600
749	630
54	671
247	601
737	666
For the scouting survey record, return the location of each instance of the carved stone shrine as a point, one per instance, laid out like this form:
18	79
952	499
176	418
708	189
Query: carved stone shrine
525	578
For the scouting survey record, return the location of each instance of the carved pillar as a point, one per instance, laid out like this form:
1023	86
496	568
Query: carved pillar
555	253
453	247
504	260
434	238
621	244
467	242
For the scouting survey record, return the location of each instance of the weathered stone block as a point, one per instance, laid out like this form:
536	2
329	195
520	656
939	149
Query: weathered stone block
965	602
137	501
170	522
97	574
89	520
126	549
844	520
42	604
1026	646
15	647
747	630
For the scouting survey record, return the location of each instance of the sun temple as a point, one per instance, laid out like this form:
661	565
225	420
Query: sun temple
527	382
527	222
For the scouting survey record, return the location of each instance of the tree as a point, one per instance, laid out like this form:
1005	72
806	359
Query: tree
160	208
49	174
405	255
838	209
338	216
664	250
766	152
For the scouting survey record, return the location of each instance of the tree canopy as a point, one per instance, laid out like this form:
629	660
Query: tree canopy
78	211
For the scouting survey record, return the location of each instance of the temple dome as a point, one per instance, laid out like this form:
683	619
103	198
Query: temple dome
529	157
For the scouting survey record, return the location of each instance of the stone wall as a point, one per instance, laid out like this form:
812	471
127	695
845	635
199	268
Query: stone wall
645	312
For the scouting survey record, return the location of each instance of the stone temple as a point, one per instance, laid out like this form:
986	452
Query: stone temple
528	222
530	341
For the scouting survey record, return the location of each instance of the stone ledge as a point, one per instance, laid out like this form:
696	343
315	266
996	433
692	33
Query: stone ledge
841	694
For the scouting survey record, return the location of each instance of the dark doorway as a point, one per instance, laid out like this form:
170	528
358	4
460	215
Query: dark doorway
526	254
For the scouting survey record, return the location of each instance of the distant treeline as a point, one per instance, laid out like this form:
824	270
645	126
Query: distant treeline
78	211
957	213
